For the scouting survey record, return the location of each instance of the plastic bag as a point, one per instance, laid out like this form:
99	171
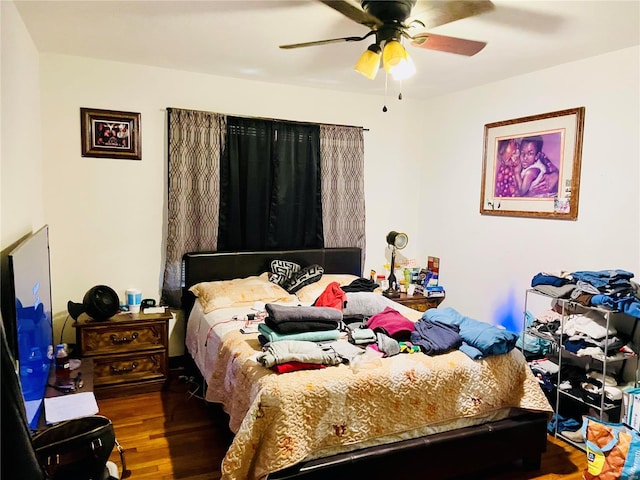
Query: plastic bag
613	450
366	361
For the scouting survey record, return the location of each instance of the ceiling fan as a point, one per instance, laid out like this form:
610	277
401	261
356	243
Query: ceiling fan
390	21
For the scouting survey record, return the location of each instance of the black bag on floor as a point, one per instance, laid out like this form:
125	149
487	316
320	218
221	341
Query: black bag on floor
76	449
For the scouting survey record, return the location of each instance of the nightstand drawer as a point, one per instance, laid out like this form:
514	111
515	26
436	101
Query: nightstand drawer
136	367
426	304
130	338
419	302
129	352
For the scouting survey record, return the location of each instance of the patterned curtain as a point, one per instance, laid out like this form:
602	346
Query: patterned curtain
342	167
196	140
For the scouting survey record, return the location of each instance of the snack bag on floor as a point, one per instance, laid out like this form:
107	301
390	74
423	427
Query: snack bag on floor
613	450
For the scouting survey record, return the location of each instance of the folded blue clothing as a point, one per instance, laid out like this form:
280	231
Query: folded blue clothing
316	336
480	339
543	279
471	351
600	278
629	305
435	337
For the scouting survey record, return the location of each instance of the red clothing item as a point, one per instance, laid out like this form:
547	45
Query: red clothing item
293	366
332	296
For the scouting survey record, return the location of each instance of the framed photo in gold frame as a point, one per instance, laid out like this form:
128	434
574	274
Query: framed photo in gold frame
110	134
531	166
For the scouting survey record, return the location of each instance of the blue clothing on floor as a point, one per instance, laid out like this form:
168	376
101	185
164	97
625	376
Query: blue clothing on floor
564	424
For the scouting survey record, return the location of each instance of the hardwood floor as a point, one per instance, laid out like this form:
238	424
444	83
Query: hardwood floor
175	435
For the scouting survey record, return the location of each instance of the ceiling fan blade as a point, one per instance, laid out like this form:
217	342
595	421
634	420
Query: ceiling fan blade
443	43
440	12
325	42
349	10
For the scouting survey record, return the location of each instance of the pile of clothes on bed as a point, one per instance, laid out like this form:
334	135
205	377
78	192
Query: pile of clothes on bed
324	334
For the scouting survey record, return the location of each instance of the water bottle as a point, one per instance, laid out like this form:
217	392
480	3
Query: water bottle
407	278
63	368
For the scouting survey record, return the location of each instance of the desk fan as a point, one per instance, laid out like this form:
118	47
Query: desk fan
397	241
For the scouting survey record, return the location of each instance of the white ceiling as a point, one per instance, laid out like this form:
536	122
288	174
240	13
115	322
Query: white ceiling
238	38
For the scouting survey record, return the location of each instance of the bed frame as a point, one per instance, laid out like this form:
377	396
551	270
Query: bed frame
521	438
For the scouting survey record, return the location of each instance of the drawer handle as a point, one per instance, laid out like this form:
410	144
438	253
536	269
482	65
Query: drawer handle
117	341
120	371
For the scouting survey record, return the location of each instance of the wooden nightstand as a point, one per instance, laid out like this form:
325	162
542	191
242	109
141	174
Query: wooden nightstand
418	302
129	352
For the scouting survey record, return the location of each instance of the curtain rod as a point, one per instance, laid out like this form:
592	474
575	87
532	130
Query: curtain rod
270	119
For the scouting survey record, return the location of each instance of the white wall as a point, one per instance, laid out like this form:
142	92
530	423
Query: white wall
21	202
488	261
423	165
107	215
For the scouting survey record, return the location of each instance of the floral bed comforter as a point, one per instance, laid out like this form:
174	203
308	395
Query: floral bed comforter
282	419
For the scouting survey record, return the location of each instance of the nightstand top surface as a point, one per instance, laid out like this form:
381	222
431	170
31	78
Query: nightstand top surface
123	317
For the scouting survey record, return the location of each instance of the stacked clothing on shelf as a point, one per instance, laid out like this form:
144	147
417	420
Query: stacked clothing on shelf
612	289
584	333
546	372
588	387
532	344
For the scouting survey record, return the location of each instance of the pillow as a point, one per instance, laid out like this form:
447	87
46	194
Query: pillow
366	304
282	271
306	276
239	291
310	293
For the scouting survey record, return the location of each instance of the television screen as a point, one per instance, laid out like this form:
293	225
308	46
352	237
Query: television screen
30	279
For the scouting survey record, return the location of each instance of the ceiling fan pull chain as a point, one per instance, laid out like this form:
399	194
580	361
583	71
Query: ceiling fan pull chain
386	82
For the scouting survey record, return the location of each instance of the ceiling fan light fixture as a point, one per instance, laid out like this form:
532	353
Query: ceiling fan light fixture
393	54
404	69
390	22
369	62
397	61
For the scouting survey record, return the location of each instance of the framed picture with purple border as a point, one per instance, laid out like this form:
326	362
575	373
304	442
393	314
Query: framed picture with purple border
531	166
110	134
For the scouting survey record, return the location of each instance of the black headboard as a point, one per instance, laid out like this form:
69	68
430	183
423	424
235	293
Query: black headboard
211	266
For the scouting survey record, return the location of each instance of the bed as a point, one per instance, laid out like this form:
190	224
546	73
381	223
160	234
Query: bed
444	415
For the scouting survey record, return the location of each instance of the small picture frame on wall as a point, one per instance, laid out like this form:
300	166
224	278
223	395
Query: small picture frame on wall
531	166
110	134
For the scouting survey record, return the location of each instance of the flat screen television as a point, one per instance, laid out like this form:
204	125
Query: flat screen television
30	318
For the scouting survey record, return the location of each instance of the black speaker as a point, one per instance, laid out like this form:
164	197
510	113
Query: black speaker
100	303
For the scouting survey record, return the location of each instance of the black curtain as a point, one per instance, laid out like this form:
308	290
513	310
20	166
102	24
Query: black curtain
270	190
